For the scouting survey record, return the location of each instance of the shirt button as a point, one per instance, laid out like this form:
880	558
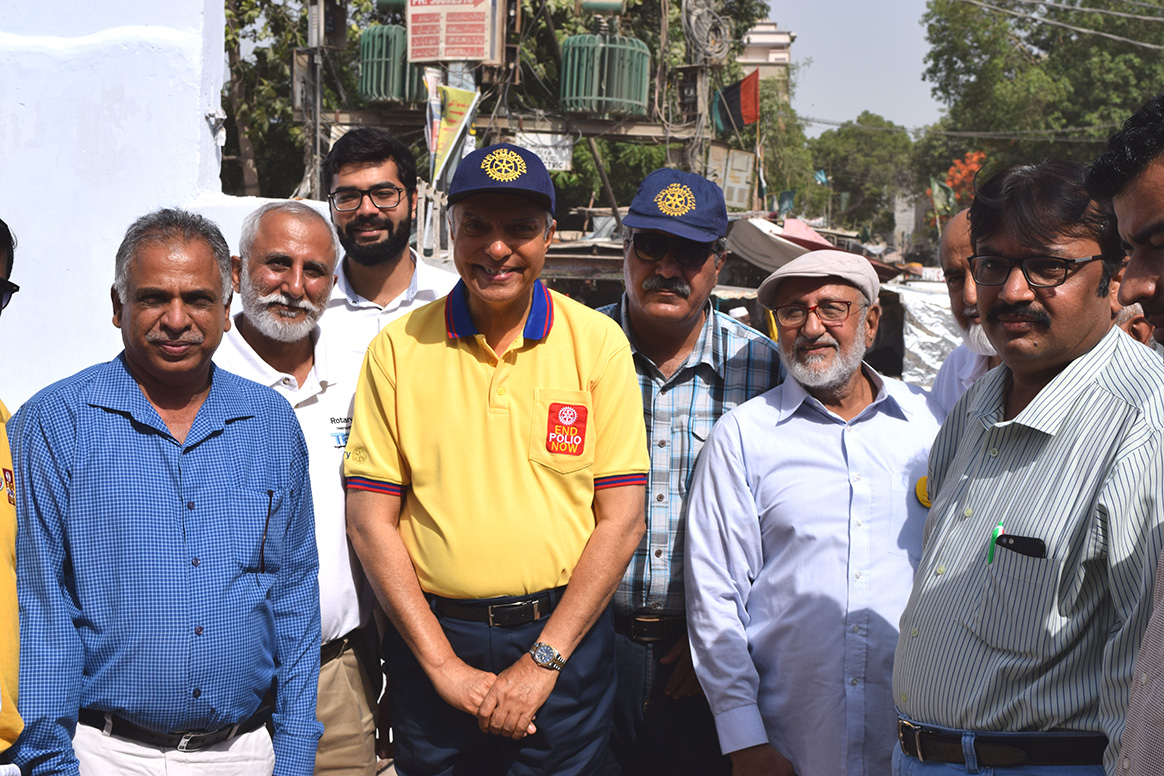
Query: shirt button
659	497
189	505
286	381
853	682
940	570
1143	678
857	477
1127	764
197	693
913	633
656	605
658	553
662	443
856	629
903	697
198	630
994	452
195	562
967	512
857	575
859	524
501	391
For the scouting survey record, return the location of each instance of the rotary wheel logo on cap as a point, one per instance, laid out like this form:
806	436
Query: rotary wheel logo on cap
675	200
503	165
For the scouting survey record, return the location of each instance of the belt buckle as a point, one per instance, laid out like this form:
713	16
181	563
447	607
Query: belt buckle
513	605
904	728
646	619
185	742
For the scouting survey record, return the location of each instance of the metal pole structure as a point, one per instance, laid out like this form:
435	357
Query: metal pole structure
605	183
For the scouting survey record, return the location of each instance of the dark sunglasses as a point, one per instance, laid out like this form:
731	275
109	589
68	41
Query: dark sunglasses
688	253
7	289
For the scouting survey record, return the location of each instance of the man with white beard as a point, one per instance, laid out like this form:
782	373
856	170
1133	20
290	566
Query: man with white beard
803	531
975	356
284	276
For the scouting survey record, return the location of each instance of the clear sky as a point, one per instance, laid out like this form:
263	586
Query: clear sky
864	56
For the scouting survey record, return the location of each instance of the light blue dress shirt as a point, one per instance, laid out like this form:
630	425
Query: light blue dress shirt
168	583
803	533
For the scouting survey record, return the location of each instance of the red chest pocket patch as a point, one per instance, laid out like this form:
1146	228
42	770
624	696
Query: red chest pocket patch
566	429
10	486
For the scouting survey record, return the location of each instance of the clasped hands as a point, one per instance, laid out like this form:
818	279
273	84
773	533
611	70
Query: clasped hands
504	704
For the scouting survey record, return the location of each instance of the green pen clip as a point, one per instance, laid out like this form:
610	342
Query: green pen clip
998	531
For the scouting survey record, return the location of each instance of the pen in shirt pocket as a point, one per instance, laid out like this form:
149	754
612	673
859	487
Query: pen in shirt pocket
997	532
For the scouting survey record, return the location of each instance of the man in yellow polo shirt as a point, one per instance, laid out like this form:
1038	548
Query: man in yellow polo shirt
10	724
495	474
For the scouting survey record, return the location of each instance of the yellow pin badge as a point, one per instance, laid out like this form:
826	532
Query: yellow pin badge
503	165
921	489
675	200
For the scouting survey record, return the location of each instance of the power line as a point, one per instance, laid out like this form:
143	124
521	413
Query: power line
1054	23
1100	11
1014	134
1153	6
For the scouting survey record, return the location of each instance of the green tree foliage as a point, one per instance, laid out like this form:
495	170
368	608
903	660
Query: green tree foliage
869	160
1033	87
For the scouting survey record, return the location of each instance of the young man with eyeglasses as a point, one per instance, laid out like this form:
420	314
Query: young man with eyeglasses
10	722
803	530
1034	588
694	363
371	179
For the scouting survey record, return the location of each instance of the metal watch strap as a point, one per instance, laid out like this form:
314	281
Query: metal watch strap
555	662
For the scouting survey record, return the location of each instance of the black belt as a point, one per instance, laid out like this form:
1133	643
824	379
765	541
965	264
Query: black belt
183	742
518	612
648	627
1006	751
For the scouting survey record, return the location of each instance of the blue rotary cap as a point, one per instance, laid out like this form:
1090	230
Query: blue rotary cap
503	169
680	203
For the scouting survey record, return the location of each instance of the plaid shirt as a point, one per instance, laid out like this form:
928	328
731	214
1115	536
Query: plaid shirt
729	364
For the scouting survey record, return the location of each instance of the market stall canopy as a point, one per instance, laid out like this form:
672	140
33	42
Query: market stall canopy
762	243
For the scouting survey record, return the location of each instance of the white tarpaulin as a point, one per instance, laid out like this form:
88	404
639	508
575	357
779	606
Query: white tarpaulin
930	331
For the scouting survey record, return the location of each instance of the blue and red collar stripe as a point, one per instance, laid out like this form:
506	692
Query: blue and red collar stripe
619	481
376	486
458	322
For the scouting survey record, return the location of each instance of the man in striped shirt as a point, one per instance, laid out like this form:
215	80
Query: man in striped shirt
694	364
1017	645
1130	174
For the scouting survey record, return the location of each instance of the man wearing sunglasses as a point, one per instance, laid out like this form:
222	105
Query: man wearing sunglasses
10	723
694	364
1035	583
803	531
1130	175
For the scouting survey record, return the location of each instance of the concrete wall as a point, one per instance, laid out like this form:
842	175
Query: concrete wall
108	112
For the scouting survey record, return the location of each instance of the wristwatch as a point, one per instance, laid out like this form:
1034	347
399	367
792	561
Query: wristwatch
546	656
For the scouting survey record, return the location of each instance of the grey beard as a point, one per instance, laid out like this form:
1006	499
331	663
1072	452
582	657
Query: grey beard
977	342
270	324
836	374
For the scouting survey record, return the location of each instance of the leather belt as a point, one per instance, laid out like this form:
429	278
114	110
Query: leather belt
334	648
183	742
508	614
1006	751
648	627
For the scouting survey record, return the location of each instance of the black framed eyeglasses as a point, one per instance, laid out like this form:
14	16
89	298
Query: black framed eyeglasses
7	289
1040	271
649	246
383	197
830	313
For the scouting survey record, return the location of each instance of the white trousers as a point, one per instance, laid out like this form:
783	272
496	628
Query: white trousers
103	755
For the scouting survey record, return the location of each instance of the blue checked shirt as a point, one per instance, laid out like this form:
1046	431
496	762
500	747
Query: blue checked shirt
729	364
146	585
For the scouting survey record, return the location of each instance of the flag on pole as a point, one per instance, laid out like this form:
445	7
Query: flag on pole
787	198
943	197
821	177
739	104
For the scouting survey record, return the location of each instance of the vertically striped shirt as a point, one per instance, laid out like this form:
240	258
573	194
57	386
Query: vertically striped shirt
1011	642
729	364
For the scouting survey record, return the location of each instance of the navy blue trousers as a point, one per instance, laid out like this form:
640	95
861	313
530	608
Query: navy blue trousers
434	739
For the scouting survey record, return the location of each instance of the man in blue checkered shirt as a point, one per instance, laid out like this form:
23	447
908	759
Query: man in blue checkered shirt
166	559
694	364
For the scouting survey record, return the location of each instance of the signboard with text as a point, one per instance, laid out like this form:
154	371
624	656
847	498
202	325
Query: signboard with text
454	30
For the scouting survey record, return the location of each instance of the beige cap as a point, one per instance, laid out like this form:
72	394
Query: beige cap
849	267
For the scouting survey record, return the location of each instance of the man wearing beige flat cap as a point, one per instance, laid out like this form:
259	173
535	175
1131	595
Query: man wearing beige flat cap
803	532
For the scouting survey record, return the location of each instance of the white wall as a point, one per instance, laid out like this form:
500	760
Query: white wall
103	117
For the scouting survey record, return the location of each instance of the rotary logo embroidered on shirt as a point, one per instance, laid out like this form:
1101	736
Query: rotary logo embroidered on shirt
566	429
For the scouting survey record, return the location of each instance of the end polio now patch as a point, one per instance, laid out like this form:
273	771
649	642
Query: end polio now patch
566	429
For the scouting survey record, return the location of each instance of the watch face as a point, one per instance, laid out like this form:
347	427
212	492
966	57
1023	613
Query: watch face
545	654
